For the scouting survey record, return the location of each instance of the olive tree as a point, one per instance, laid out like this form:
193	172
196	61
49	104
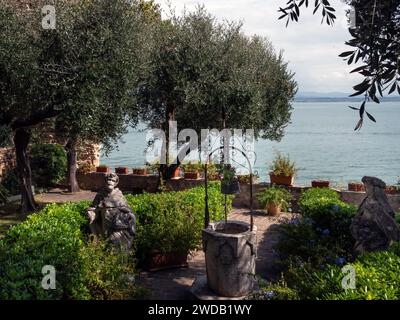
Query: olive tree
207	74
79	72
106	49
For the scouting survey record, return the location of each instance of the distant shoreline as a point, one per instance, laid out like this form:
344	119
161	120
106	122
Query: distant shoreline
342	99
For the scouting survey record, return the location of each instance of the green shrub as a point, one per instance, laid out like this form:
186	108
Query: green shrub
55	236
48	163
172	221
398	217
275	291
327	212
322	234
283	166
275	195
10	182
318	193
377	278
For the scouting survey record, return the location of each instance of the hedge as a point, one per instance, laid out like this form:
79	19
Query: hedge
173	221
56	236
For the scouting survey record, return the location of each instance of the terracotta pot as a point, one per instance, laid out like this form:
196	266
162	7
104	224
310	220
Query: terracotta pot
214	177
139	171
391	191
281	180
246	179
320	184
160	261
102	169
192	175
121	170
273	209
356	187
176	174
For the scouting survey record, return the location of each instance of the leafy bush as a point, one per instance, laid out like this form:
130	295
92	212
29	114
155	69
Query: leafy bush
55	236
398	217
49	164
283	166
276	196
377	278
275	291
317	246
10	182
172	221
318	193
327	212
322	235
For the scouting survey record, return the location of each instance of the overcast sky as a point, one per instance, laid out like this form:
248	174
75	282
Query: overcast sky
310	48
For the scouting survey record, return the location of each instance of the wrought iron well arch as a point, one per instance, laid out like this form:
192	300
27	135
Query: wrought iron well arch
207	213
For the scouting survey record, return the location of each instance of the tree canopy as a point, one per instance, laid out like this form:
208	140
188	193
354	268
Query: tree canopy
374	42
205	74
82	72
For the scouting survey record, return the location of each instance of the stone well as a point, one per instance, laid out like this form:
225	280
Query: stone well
230	253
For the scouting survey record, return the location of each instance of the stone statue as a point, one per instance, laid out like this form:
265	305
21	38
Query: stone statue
374	227
110	215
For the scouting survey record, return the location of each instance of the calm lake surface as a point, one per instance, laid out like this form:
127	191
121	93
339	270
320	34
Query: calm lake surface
320	139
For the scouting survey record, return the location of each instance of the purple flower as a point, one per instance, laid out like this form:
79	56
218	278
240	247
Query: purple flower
326	232
336	208
295	222
308	221
340	261
269	294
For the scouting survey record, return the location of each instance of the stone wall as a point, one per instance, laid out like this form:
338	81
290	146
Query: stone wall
87	153
7	160
130	183
138	184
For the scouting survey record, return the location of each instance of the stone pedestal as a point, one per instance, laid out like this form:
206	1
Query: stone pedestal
230	253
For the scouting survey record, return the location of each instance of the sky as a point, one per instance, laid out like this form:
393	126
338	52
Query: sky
310	48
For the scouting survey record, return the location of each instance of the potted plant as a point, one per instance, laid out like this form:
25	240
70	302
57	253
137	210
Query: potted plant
320	183
275	199
191	171
213	173
356	186
245	178
139	171
230	183
102	169
283	170
177	173
85	168
121	170
392	189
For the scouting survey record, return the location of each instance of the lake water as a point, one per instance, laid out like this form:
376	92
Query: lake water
320	139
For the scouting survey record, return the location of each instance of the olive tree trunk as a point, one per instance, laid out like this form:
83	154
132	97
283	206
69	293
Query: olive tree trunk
22	137
72	160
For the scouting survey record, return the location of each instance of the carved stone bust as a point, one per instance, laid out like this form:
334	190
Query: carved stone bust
110	215
374	227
